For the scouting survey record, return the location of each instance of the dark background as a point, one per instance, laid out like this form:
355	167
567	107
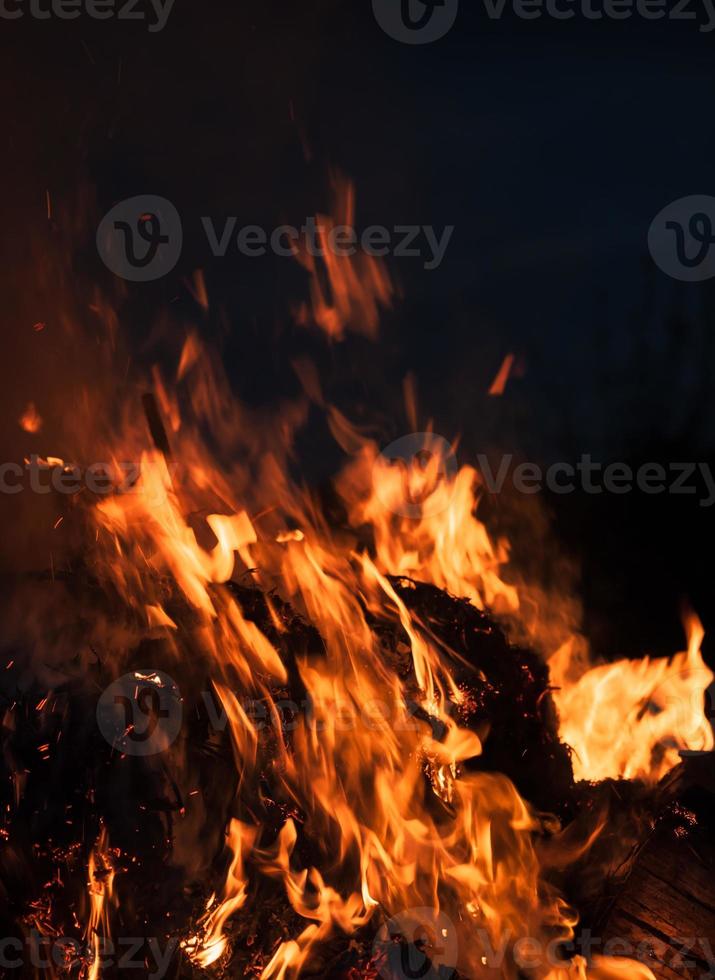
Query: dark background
550	146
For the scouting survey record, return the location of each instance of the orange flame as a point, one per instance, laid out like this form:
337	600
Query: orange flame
397	821
30	420
209	944
499	384
100	887
631	719
347	291
357	767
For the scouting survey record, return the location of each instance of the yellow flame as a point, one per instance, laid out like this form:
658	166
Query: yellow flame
100	888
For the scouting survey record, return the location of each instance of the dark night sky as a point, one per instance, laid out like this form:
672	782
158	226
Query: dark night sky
550	147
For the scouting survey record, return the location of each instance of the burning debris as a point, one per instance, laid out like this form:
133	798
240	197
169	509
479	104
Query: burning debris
253	749
279	733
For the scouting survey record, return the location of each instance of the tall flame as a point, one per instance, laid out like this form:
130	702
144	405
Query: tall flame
209	944
100	887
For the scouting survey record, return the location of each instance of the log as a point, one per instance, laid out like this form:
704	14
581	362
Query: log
666	909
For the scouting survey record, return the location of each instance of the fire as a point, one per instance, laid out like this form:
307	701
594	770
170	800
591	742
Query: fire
500	382
209	944
347	291
30	420
356	767
631	719
100	888
383	792
440	540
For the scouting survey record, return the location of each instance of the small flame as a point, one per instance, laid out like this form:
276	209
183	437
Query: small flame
209	943
30	420
100	888
499	384
347	291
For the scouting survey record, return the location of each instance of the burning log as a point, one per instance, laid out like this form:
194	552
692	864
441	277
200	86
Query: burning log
298	740
665	912
506	701
89	785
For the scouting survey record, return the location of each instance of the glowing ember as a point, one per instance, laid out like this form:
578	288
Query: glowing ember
499	384
30	419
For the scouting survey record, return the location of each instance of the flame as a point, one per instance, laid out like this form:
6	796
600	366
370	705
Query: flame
395	819
347	291
439	540
30	420
356	765
631	719
100	888
602	968
499	384
209	943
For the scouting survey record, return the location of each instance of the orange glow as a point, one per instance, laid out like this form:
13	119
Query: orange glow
209	943
397	819
499	384
347	291
100	888
630	719
30	419
360	783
